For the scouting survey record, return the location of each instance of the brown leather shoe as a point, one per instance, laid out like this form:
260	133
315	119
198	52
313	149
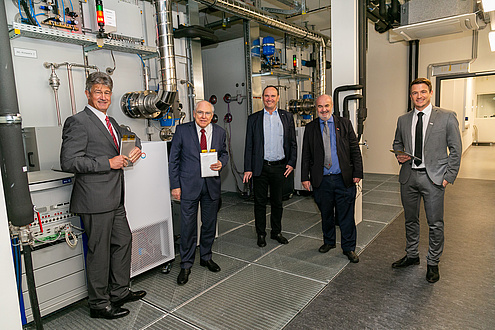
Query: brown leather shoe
352	256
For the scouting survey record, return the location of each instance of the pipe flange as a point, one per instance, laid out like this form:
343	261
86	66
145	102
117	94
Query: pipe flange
10	119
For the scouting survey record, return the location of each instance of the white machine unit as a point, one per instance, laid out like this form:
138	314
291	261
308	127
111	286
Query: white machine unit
59	269
149	208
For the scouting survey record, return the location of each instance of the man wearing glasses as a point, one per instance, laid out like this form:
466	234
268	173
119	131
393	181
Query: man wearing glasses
192	186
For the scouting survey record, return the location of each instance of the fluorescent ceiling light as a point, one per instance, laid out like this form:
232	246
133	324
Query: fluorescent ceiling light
488	5
491	37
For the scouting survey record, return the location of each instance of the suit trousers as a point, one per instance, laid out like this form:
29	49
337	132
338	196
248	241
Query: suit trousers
189	227
272	176
419	185
332	193
108	259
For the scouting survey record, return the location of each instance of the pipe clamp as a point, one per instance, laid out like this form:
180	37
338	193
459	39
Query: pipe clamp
10	119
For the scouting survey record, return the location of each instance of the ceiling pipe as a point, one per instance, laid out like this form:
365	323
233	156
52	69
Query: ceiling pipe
248	12
149	104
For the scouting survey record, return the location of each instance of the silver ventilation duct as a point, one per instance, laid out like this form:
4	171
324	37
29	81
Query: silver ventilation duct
248	12
149	104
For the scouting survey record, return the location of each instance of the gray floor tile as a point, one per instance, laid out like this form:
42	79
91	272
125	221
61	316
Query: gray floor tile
380	213
164	292
170	322
269	300
76	316
240	212
378	177
389	186
366	231
241	243
301	257
226	226
382	197
306	204
369	185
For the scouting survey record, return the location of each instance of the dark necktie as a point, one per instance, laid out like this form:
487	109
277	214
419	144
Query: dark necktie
111	132
203	140
326	146
418	144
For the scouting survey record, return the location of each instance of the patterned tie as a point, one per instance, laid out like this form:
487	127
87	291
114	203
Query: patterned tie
203	140
418	144
111	132
326	146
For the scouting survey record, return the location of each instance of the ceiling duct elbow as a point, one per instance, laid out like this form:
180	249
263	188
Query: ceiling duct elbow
149	104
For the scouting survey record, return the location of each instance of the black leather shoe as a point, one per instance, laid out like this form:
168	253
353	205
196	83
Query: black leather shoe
432	274
326	247
110	312
279	238
352	256
131	296
261	241
183	276
211	265
404	262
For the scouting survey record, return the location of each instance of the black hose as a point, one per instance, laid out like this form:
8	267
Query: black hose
27	10
33	297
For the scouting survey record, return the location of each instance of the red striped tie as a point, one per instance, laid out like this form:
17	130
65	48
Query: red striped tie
203	140
111	132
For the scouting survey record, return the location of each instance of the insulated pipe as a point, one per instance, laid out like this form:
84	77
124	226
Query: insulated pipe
248	12
12	163
167	54
339	89
362	46
345	110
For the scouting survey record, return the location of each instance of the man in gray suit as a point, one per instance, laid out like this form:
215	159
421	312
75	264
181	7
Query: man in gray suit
426	133
90	149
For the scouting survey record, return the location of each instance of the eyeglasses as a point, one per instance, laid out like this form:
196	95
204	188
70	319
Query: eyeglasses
203	113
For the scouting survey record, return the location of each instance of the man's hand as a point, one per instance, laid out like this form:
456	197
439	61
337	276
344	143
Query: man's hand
134	154
356	180
247	176
403	158
288	170
118	162
216	166
176	193
306	185
445	183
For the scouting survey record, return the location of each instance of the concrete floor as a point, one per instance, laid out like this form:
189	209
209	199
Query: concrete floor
478	162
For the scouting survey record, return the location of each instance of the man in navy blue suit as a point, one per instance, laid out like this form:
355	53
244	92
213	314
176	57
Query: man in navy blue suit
191	188
269	157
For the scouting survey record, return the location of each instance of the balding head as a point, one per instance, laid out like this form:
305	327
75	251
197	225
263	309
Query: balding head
324	107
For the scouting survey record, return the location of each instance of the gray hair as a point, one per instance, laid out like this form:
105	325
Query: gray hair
98	78
211	105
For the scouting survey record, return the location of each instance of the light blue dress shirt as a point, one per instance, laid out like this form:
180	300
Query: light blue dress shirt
335	168
274	136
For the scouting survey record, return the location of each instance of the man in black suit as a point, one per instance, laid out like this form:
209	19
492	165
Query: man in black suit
192	188
332	164
269	157
90	149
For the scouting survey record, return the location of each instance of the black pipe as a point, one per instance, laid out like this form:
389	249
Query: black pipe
12	163
33	297
339	89
382	9
416	59
363	47
410	74
345	111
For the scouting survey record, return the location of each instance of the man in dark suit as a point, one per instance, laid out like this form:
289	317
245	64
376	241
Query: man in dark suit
192	188
426	133
332	164
270	156
90	149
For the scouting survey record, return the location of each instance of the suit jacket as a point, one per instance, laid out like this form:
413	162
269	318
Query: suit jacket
184	163
348	152
87	147
254	150
442	133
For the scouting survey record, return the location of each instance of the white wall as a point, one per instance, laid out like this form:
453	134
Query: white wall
387	81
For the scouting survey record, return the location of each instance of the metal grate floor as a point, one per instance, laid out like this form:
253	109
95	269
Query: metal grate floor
257	288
